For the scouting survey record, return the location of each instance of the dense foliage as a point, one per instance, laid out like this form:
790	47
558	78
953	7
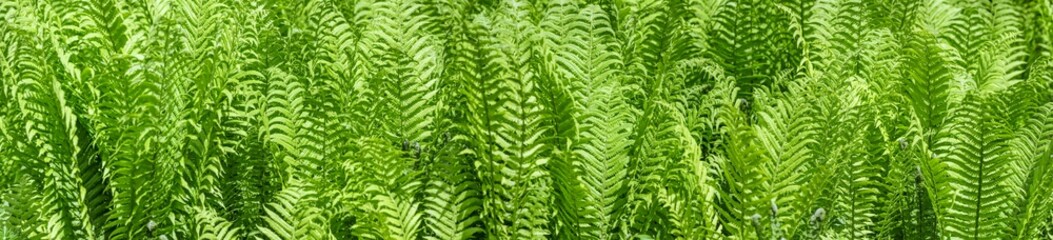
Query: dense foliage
514	119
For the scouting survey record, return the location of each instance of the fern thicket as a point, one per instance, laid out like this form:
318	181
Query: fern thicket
526	119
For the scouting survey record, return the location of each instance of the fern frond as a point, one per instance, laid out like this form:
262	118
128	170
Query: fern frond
389	191
741	192
247	183
526	119
604	158
523	182
282	109
750	45
930	90
1032	161
292	216
408	68
601	155
561	65
977	166
453	202
213	227
663	146
58	152
930	84
481	90
784	132
452	205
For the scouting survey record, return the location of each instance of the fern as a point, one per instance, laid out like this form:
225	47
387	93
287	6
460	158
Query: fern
741	185
291	216
522	183
751	48
408	68
512	119
977	165
561	33
784	132
212	226
1031	155
452	201
929	91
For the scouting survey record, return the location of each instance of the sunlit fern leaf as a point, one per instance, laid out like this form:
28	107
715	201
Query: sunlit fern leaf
300	114
929	88
336	93
338	69
601	155
841	48
898	16
687	178
292	215
560	67
859	174
1009	26
12	212
522	183
862	194
1032	162
994	70
347	215
845	77
930	84
452	201
453	196
690	202
51	128
653	41
390	207
983	24
785	130
802	16
887	148
211	226
977	169
408	68
740	184
604	158
399	216
247	183
548	119
202	72
144	134
482	103
310	94
980	157
1037	33
281	112
972	31
936	18
22	203
656	154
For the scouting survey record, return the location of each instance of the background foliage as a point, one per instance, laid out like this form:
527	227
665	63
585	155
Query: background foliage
511	119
